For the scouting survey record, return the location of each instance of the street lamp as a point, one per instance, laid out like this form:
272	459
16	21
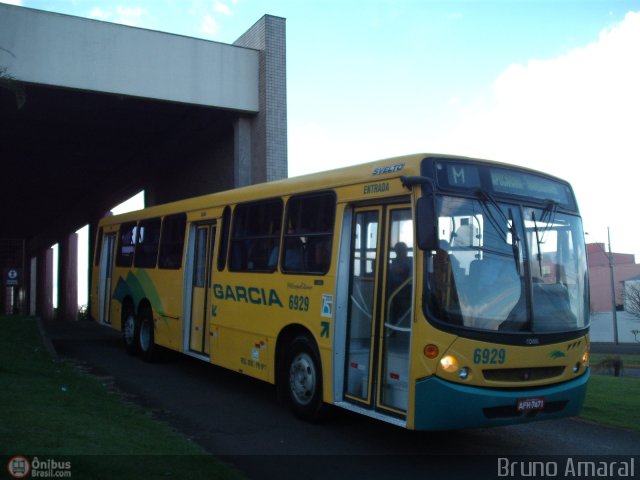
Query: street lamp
613	291
613	286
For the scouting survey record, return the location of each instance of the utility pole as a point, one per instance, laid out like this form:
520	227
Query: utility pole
613	291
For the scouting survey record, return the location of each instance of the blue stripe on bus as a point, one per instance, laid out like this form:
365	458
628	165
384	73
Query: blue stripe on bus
442	405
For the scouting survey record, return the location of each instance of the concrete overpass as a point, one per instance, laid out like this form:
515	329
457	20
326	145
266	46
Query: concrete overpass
92	112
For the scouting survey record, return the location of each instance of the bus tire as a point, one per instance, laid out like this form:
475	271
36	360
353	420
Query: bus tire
303	378
146	335
130	327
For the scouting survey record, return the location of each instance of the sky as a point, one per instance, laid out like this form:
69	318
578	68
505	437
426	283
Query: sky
549	84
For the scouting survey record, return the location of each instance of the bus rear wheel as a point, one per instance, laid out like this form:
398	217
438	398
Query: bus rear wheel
304	378
130	328
146	337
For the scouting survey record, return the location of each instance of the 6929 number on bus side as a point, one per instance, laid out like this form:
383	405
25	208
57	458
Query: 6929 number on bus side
489	356
299	303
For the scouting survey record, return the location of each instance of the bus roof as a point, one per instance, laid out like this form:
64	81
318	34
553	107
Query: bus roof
407	165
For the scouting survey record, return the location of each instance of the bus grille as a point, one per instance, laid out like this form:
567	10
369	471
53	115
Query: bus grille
522	374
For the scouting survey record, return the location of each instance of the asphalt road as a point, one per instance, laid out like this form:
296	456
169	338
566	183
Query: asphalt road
240	420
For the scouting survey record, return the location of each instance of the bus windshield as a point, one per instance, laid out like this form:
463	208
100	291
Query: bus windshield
507	267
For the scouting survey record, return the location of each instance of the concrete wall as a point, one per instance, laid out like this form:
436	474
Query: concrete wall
600	284
599	257
61	50
254	150
209	169
236	96
624	268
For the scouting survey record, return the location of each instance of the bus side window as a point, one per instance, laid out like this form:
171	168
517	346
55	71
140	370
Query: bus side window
147	243
256	236
307	240
172	241
126	244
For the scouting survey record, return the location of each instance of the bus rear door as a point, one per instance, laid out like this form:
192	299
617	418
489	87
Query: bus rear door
202	237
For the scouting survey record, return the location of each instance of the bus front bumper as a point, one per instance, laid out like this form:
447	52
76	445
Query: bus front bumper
442	405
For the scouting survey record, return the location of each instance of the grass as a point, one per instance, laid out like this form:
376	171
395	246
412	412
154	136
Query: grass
613	400
51	409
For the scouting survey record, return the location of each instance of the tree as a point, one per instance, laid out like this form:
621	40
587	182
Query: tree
10	84
632	302
632	297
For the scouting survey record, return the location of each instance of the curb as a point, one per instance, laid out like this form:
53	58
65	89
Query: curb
611	348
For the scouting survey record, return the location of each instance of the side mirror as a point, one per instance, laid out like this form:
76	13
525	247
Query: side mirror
427	223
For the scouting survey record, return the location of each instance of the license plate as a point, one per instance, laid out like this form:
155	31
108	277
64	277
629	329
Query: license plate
530	404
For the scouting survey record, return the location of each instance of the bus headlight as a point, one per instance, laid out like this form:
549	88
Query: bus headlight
463	374
449	364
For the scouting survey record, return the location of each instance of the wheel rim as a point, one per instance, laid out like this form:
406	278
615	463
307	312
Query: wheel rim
302	378
145	334
129	329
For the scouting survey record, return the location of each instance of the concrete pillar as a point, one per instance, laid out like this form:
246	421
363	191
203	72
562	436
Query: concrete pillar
7	304
4	298
68	278
33	285
44	281
269	126
93	233
242	152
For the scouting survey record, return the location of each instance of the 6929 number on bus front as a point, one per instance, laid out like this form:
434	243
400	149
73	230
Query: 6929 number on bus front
490	356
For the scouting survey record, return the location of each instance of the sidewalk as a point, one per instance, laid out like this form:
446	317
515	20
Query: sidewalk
602	340
601	333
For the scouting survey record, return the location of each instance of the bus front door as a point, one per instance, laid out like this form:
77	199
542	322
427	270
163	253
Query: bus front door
203	246
380	311
106	274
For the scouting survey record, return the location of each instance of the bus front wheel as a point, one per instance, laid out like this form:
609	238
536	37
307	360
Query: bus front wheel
304	378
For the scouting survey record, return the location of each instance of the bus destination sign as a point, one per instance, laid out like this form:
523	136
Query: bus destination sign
526	184
502	180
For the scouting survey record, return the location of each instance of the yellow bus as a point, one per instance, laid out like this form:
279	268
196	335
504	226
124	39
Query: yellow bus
429	291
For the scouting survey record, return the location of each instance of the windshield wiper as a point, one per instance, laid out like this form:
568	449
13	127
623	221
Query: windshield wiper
515	240
510	222
487	197
548	216
538	240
